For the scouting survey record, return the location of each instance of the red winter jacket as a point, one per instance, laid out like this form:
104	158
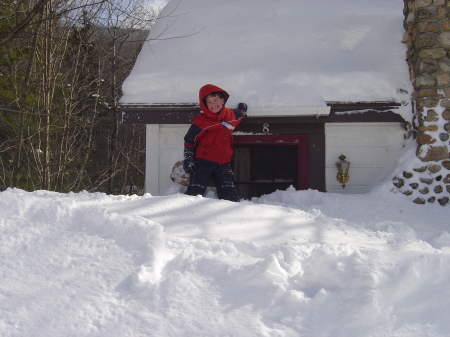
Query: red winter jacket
212	134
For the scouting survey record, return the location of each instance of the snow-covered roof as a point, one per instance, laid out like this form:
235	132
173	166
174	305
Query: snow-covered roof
274	54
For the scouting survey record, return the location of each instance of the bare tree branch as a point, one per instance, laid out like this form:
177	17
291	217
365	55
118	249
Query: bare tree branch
25	22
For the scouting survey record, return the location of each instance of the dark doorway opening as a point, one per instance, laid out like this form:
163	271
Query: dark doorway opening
263	169
265	163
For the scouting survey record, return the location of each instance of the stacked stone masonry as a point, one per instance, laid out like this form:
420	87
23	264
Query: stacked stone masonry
427	36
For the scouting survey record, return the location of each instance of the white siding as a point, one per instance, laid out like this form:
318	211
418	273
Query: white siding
165	145
171	146
371	148
152	159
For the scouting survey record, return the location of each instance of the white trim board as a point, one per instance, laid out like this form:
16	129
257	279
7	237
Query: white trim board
294	111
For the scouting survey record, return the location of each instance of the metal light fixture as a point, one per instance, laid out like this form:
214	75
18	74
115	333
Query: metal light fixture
343	166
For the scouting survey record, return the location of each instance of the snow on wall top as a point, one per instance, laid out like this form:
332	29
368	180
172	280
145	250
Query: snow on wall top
274	54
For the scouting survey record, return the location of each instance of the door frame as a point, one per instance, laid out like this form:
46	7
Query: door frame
301	141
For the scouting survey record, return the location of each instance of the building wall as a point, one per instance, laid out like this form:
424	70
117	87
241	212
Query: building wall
152	159
164	148
371	149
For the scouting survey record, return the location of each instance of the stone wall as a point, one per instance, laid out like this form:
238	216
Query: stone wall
427	24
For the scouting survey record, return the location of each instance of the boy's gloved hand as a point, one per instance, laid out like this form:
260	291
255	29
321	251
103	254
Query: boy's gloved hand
242	107
241	110
189	159
188	166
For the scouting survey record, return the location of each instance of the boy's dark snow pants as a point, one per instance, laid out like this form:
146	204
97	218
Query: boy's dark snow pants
221	174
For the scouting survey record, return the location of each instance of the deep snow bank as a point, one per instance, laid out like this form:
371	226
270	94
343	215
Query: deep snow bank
94	265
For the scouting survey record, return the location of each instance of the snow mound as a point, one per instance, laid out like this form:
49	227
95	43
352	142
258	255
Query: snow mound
303	264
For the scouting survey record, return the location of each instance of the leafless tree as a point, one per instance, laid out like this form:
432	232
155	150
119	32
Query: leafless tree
63	64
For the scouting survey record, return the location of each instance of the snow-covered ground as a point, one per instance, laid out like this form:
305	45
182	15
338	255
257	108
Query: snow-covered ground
293	263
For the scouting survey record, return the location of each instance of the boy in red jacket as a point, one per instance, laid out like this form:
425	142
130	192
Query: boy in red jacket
208	147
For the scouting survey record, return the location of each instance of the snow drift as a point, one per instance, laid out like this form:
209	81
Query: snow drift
293	263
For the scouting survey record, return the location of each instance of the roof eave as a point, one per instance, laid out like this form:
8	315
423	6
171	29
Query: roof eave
184	113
